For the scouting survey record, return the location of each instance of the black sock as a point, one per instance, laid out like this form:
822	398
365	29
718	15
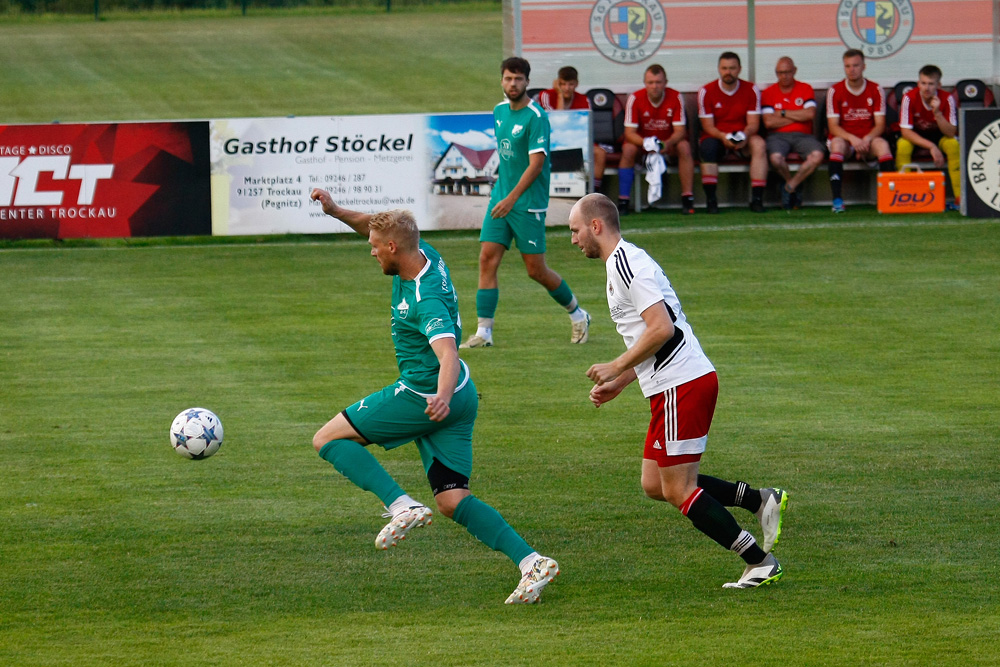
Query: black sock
886	165
836	177
731	494
710	189
711	518
757	193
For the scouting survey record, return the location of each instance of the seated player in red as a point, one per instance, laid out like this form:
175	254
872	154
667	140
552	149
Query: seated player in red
855	116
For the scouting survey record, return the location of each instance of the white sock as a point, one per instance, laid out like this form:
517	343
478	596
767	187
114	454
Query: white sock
526	562
485	329
578	315
404	502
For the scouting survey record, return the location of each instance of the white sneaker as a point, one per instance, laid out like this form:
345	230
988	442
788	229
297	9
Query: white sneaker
763	573
773	503
395	531
581	330
543	570
477	341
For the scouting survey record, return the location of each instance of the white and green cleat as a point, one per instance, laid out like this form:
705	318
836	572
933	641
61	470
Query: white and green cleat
763	573
773	503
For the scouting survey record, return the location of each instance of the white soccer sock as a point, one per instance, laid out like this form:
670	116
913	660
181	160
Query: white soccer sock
485	329
526	562
578	315
404	502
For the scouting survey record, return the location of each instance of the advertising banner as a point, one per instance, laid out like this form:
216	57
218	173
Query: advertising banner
612	42
441	167
980	137
104	180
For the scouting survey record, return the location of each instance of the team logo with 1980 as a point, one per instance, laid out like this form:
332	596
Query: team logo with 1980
983	165
880	28
627	31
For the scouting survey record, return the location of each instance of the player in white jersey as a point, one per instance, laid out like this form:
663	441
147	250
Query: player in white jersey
666	358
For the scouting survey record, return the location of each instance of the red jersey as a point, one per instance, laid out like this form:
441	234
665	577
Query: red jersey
856	112
655	120
917	116
730	110
801	96
549	99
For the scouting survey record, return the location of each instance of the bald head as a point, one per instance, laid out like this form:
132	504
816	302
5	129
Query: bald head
785	71
594	226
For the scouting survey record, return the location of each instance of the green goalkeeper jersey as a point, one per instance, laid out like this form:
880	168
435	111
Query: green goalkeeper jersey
423	310
520	133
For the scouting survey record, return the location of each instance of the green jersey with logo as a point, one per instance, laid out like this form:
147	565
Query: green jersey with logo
520	133
423	310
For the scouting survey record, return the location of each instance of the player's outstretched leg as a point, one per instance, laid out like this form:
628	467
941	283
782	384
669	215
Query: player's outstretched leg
356	463
489	527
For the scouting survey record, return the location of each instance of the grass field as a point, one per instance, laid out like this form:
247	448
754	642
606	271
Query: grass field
858	363
442	58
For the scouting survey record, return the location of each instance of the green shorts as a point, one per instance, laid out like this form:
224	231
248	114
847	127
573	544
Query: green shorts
527	228
395	416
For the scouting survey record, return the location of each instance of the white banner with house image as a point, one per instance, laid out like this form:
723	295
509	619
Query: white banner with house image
440	166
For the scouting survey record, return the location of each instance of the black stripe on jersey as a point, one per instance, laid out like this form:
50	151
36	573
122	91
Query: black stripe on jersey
669	350
670	311
624	270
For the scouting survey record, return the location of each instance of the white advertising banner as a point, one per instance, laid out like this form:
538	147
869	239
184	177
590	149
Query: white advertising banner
441	167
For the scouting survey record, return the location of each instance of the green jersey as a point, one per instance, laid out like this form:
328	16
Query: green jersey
423	310
520	133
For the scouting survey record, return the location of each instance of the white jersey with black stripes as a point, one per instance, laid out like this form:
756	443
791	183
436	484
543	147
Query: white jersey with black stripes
636	282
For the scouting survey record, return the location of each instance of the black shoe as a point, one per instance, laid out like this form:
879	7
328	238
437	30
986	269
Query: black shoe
786	198
712	206
687	205
623	206
757	206
795	201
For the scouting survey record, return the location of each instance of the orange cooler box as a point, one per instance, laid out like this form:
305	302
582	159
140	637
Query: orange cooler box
911	192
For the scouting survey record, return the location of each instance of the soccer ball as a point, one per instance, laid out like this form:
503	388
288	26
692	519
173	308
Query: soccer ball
196	433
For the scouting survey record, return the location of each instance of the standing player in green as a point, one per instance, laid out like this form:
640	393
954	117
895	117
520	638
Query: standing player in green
433	404
518	203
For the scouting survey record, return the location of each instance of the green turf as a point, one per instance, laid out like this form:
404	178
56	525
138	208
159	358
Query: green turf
858	360
434	59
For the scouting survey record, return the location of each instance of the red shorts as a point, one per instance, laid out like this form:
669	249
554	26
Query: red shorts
681	417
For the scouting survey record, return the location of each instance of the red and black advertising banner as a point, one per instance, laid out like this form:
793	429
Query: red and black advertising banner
104	180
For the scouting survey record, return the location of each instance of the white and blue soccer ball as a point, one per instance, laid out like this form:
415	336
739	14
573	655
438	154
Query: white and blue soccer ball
196	433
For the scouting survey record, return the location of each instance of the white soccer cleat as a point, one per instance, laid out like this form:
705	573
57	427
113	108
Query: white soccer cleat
773	503
581	330
763	573
477	341
395	531
543	570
